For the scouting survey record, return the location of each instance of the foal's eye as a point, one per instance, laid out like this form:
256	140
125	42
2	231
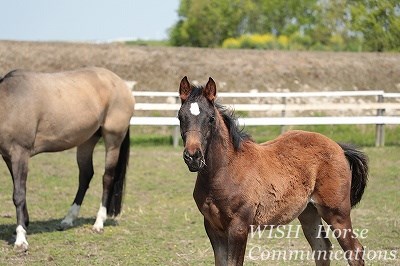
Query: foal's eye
212	119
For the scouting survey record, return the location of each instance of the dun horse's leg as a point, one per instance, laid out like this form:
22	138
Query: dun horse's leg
18	166
219	244
113	144
316	235
84	157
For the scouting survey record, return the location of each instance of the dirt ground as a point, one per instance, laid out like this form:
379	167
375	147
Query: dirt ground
161	68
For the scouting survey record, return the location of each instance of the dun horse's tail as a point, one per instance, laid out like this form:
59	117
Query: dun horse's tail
359	170
116	194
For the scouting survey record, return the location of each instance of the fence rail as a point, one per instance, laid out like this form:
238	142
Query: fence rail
276	107
377	105
279	121
274	94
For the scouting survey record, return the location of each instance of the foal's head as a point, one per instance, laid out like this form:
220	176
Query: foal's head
197	121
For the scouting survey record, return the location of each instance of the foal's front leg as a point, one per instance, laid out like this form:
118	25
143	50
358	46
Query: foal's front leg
219	243
315	234
237	239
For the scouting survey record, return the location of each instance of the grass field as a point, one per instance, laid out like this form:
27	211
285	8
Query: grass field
360	135
160	224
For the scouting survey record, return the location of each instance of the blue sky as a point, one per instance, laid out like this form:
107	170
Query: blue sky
86	20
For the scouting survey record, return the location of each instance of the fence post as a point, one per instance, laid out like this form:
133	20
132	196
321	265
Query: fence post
175	137
380	128
176	134
283	114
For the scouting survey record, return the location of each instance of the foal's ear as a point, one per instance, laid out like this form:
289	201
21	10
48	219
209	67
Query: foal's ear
184	89
210	90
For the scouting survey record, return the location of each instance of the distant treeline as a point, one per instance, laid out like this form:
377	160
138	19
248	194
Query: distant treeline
336	25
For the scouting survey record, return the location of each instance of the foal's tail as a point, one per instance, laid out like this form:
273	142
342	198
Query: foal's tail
116	194
359	170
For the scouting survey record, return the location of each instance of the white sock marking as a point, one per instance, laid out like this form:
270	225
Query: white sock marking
194	109
101	217
71	215
20	240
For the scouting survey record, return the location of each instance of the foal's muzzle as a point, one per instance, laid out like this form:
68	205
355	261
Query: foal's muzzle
194	160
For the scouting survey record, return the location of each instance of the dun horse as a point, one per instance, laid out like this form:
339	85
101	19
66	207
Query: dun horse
241	184
43	112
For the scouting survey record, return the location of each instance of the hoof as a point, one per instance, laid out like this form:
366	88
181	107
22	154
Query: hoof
20	244
64	226
21	248
97	230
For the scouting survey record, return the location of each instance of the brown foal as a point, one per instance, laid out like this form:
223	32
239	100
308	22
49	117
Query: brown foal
241	183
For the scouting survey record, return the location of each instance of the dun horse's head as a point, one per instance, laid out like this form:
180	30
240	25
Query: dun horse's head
197	121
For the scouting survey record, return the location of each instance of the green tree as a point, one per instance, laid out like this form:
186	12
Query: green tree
373	25
206	23
327	21
377	22
287	17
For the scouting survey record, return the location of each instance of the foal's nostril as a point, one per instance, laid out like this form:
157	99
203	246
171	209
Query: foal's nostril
193	159
197	154
186	156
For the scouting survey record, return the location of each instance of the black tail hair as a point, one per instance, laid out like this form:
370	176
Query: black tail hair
359	170
9	74
115	196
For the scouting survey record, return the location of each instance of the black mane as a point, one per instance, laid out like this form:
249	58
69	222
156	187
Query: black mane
196	91
236	133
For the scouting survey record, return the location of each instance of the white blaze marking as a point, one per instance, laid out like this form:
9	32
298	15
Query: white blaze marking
194	109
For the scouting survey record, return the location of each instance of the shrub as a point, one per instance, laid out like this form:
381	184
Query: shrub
231	43
256	41
264	41
296	41
301	40
283	42
336	42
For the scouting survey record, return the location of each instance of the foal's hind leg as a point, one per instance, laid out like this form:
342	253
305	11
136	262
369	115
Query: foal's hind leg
315	234
339	219
84	158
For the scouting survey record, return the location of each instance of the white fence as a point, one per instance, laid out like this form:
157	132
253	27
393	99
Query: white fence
276	113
